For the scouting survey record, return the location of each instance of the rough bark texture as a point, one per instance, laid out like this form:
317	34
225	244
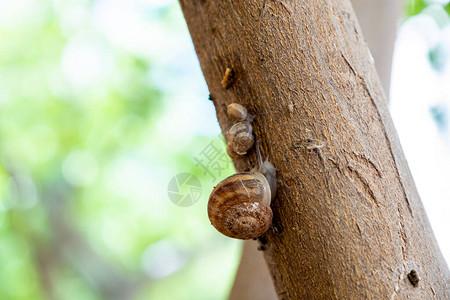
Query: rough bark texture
348	223
250	282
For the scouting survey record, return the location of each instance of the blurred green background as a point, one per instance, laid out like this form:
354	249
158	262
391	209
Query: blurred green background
102	103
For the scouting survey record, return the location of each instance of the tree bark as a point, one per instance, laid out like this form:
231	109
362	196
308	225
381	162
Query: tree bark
348	223
378	20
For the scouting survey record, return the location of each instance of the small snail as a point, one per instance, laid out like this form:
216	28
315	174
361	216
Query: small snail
239	206
240	135
239	139
238	113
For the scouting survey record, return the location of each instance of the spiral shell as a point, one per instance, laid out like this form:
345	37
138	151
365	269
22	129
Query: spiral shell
240	138
231	153
237	112
239	206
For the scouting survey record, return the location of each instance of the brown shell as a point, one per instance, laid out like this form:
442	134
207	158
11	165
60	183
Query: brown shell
239	206
231	153
236	112
240	138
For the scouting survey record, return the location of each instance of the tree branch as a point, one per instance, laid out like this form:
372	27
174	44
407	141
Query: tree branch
348	222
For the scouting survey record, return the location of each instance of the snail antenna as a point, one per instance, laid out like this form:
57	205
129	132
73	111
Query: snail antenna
258	152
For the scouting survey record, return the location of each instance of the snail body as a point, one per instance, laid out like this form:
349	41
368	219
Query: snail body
239	206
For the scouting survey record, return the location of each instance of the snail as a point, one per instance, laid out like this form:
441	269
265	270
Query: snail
239	206
238	113
240	135
239	139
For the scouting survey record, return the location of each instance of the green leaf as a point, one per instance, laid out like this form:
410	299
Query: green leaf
414	7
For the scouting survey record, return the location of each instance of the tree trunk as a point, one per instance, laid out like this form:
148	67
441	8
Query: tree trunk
348	223
250	282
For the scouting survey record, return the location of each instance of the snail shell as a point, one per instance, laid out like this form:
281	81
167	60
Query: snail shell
239	206
237	112
231	153
240	138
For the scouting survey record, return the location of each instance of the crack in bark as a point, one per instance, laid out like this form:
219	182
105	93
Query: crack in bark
267	5
373	100
365	183
402	234
388	140
348	64
362	159
359	228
